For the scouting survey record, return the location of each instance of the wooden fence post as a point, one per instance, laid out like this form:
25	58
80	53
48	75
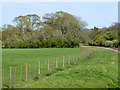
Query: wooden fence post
68	60
44	65
26	72
53	64
21	73
29	70
34	70
73	58
88	51
39	68
15	75
56	62
3	77
76	57
63	61
10	77
48	63
84	54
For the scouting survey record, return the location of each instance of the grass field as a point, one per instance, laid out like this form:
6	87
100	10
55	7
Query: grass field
97	70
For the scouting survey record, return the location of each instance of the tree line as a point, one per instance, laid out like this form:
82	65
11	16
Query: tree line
59	29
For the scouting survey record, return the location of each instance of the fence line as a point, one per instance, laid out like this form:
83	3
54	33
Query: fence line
43	66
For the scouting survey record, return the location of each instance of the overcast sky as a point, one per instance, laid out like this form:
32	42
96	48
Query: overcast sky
99	14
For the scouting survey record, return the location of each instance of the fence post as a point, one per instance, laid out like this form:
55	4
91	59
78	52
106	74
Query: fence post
26	72
86	53
53	64
1	85
29	70
63	61
2	78
88	50
76	56
21	73
15	75
39	68
80	55
48	63
10	77
56	62
44	65
68	60
73	58
83	54
34	70
41	65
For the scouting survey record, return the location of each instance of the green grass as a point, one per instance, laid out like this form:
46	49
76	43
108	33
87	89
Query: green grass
18	57
97	70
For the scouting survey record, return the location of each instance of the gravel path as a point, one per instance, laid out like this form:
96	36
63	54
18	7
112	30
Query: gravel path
116	49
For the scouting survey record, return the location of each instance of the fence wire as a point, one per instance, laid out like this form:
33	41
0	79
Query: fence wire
18	72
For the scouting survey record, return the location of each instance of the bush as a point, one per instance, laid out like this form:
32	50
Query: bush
17	44
60	68
25	44
48	73
97	41
115	43
108	36
108	43
57	42
34	44
36	78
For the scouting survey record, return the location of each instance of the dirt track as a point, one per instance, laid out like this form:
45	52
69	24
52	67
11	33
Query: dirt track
116	50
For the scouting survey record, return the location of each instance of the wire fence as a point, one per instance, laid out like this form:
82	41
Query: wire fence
19	74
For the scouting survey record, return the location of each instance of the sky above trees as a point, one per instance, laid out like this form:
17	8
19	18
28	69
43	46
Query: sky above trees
99	14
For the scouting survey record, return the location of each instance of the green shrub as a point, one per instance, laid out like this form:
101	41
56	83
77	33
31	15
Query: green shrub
108	36
115	43
97	41
108	43
60	68
48	73
36	78
18	44
57	42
